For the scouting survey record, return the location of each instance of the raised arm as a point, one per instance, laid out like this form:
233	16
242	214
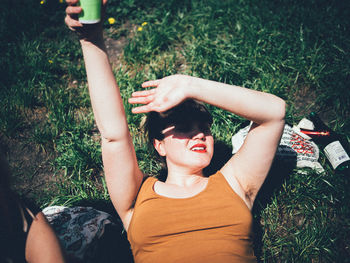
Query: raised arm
123	175
248	168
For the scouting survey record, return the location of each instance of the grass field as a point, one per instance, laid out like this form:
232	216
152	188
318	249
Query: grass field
298	50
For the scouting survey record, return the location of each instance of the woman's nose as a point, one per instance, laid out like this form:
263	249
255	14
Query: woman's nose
199	135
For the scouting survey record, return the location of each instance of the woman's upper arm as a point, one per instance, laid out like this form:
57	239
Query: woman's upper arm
42	244
251	164
123	176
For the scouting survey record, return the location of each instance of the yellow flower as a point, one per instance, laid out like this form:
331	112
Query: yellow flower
139	28
111	20
144	23
42	2
50	61
61	1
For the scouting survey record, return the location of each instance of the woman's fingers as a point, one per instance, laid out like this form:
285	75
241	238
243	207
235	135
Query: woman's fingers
72	2
145	97
142	93
73	10
151	83
142	109
141	100
72	23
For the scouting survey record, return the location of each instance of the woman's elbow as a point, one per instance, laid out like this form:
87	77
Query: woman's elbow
280	110
283	109
114	136
113	133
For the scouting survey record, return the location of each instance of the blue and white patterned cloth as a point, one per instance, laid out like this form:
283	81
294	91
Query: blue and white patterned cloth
78	228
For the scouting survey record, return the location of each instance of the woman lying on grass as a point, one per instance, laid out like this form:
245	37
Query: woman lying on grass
189	217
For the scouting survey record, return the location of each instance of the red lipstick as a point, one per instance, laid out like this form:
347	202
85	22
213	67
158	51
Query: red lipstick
199	147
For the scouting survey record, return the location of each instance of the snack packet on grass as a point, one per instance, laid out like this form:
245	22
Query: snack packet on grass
294	145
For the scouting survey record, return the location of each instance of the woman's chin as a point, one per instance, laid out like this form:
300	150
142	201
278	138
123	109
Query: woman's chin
200	165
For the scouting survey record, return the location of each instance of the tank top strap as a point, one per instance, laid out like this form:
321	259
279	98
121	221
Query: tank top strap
220	183
146	189
218	178
27	216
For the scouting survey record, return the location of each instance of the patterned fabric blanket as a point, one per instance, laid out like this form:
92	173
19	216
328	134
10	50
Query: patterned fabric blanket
78	229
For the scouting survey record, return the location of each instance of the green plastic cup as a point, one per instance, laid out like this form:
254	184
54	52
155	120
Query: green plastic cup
91	12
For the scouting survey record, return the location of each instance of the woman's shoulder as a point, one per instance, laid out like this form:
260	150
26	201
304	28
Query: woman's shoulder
216	176
28	204
231	182
146	185
147	180
21	210
16	218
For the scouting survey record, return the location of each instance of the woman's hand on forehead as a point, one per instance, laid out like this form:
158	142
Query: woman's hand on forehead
165	94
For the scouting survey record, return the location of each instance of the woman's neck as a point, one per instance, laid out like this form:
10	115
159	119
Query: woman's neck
184	179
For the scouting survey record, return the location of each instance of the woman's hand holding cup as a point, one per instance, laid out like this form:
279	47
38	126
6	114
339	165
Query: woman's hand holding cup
85	17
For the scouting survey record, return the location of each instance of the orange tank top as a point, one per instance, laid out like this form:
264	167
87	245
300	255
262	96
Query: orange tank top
212	226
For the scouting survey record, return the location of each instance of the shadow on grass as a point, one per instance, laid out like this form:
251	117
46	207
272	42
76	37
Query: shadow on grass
279	172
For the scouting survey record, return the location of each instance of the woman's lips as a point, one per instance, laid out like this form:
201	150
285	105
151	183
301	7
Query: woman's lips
200	148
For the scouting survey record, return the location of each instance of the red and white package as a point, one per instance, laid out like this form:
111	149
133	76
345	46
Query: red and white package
294	146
